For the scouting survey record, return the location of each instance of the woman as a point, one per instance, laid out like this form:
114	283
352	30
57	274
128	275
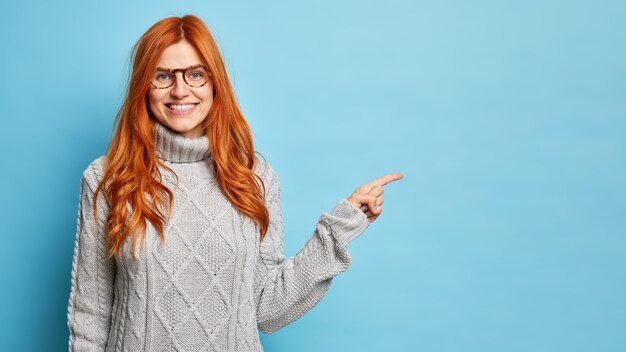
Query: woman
179	243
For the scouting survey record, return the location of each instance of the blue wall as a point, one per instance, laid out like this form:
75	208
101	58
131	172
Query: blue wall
507	119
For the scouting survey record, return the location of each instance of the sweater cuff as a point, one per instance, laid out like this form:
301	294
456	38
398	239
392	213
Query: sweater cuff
347	222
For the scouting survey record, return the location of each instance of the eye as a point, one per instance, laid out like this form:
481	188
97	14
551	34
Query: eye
196	75
163	76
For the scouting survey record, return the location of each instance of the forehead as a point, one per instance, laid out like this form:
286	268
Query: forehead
179	55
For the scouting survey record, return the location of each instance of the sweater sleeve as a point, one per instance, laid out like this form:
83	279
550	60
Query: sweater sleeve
92	283
288	287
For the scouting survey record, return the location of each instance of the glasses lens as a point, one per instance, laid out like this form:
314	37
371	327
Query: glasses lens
196	76
162	79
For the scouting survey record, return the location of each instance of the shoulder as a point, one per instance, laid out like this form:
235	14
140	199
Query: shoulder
268	175
95	171
265	170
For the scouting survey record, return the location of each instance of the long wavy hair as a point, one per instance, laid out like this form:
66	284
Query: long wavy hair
131	166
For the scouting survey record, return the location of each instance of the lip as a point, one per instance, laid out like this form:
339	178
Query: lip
179	112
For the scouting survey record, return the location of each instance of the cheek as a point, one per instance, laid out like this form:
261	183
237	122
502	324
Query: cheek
154	98
207	92
208	97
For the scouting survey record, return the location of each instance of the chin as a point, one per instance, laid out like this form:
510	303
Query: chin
181	126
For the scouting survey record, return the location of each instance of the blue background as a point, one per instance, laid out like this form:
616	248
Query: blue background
507	119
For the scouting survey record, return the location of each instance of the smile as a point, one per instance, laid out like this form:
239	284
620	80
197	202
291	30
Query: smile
181	109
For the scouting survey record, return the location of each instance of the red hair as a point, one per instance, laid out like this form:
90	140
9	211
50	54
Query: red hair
131	165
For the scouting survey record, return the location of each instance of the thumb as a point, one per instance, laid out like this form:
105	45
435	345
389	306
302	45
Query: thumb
360	199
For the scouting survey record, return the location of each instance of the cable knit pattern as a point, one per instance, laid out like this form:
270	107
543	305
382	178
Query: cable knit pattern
212	286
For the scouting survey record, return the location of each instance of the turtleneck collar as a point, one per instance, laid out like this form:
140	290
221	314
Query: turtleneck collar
174	147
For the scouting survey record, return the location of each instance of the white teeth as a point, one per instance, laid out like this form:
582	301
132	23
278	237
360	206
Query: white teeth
181	107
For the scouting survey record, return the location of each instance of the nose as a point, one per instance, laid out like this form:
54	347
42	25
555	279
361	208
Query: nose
180	88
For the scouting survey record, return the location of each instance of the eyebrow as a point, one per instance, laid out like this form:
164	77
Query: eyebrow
171	69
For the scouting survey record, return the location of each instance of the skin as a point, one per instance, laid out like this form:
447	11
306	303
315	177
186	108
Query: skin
369	198
181	55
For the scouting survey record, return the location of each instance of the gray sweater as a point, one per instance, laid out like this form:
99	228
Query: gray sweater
212	284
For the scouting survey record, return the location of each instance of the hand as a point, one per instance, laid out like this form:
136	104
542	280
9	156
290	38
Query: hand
369	198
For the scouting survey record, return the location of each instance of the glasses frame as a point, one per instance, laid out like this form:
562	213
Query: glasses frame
184	71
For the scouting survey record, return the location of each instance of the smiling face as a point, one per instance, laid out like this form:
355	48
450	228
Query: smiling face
181	107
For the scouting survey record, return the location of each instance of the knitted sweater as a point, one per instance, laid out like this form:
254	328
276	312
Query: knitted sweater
213	283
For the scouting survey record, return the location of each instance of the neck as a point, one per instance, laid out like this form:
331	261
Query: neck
174	147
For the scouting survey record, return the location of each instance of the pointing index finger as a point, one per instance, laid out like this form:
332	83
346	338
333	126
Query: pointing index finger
383	180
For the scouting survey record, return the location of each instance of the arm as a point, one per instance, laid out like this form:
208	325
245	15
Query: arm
92	291
286	288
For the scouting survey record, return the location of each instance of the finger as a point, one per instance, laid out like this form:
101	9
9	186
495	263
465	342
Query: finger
371	188
367	200
371	217
383	180
374	208
364	199
378	205
378	202
376	191
364	189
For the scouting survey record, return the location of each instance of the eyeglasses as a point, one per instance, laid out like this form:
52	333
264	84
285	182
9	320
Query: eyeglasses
195	76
